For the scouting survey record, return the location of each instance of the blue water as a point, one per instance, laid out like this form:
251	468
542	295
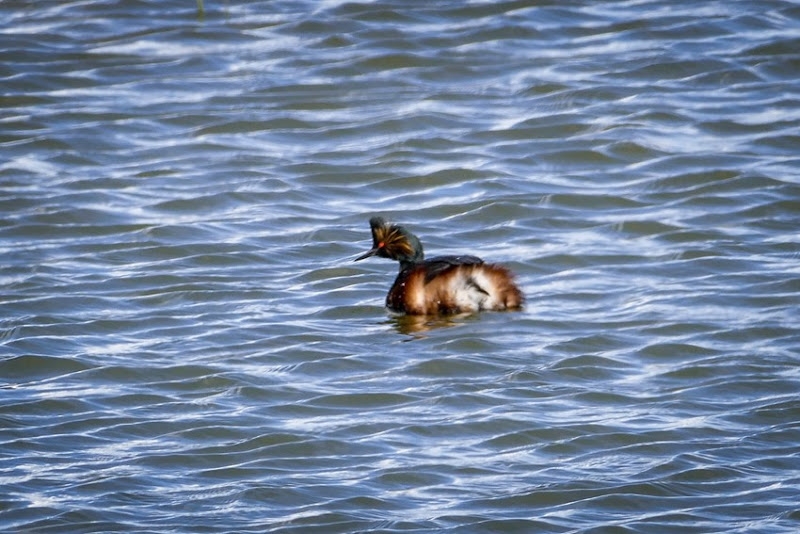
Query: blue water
186	344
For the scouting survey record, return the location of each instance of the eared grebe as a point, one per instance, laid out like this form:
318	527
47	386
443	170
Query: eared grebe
445	284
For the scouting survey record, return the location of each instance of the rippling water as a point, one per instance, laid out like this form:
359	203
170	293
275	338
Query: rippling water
186	344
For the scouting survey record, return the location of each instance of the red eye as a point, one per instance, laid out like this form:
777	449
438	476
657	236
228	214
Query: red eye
381	244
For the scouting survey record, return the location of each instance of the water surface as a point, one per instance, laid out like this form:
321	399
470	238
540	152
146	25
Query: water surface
186	344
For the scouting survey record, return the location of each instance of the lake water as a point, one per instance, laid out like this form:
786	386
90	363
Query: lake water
187	346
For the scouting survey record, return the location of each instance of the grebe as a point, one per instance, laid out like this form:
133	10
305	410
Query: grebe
441	285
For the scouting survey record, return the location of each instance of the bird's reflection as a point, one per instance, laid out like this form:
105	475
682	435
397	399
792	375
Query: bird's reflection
419	324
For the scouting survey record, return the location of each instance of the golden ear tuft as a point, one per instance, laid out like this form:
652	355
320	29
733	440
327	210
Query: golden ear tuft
391	238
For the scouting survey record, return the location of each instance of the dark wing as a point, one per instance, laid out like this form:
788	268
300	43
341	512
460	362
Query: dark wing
440	264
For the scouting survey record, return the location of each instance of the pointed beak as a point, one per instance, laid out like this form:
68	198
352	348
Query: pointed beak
372	252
